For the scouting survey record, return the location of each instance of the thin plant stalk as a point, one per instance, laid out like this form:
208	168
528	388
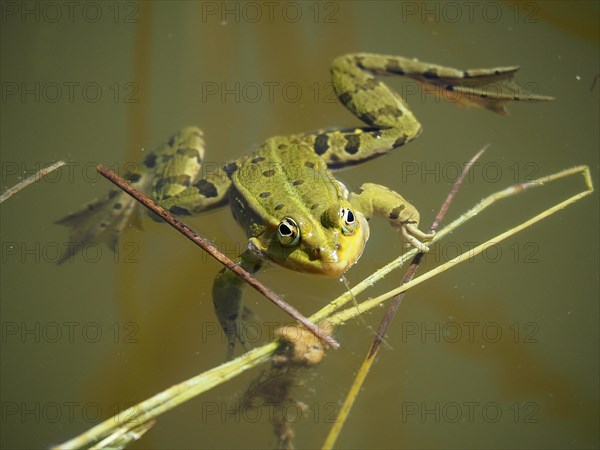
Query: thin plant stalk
30	180
134	417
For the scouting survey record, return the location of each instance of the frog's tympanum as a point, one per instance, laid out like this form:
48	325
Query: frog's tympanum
295	213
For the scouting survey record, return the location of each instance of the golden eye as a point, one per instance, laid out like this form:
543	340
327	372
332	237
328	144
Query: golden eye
288	232
348	221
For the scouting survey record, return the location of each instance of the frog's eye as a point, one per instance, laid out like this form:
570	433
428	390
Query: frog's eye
348	221
288	232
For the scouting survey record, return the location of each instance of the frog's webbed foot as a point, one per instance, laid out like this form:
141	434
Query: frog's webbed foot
416	237
492	89
235	331
102	220
489	88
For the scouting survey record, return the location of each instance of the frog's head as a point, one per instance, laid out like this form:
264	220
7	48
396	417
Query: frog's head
327	243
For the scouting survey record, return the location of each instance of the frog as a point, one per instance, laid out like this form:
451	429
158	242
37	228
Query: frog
284	193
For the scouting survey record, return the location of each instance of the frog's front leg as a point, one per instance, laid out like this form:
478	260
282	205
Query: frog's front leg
227	299
182	184
374	199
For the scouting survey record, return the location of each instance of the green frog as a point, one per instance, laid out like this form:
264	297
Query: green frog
284	194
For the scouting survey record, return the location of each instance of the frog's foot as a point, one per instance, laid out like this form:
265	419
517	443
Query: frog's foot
101	220
235	330
375	200
416	237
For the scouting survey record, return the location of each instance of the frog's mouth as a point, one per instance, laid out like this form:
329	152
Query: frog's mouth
329	261
333	261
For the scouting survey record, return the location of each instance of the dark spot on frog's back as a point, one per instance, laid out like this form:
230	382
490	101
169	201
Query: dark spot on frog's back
179	211
264	194
150	160
279	206
358	60
230	168
269	173
257	159
395	213
392	66
345	98
298	182
431	75
368	117
321	144
117	205
309	164
207	189
352	144
400	141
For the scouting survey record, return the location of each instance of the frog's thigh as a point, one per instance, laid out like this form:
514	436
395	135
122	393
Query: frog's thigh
346	147
376	200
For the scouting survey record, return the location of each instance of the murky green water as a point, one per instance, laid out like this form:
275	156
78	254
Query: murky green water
501	352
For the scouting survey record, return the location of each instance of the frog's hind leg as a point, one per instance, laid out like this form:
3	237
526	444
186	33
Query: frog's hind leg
170	175
489	88
390	122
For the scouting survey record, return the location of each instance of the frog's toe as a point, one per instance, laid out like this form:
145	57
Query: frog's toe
416	237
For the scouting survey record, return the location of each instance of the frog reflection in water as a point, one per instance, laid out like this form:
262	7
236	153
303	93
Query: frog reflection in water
284	194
